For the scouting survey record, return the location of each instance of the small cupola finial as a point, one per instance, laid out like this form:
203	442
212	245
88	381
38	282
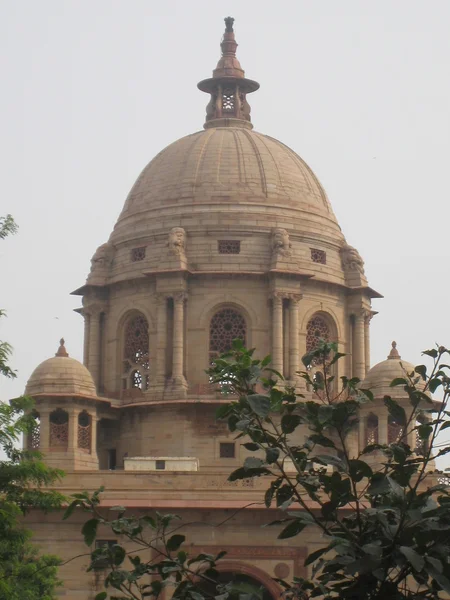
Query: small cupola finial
228	87
62	349
394	352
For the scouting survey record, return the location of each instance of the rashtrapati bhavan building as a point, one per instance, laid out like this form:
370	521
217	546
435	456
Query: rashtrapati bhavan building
227	233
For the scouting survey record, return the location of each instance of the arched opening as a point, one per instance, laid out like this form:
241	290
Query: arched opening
34	436
395	430
84	431
371	430
226	325
319	328
59	429
136	358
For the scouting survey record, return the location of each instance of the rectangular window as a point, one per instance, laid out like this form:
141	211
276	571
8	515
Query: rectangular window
102	563
319	256
229	246
138	254
160	465
227	450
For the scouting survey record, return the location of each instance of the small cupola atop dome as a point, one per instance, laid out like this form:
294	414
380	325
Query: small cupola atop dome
228	87
61	376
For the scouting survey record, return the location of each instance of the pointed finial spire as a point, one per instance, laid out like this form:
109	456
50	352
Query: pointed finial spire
394	352
62	349
228	87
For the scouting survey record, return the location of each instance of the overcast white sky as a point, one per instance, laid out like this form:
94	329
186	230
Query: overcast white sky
93	89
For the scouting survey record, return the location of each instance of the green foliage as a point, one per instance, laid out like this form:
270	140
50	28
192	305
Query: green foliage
385	531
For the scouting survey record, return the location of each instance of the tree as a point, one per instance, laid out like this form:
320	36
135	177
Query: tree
385	530
23	478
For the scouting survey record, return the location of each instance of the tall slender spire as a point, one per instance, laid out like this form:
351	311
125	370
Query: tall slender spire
228	87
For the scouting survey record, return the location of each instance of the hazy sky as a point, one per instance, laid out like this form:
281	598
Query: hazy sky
93	89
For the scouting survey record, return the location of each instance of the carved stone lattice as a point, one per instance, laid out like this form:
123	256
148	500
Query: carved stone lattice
395	431
59	429
137	254
229	246
136	380
84	431
318	256
372	430
226	326
228	101
34	437
316	330
136	342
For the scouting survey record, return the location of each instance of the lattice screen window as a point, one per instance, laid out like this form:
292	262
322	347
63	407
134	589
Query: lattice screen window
102	562
371	430
136	353
84	431
226	326
317	329
34	437
229	246
138	254
395	430
228	101
59	429
227	450
319	256
160	465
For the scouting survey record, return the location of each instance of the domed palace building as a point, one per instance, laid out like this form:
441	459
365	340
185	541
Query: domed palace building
227	233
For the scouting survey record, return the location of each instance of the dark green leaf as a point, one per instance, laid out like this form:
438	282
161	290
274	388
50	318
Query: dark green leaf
291	530
422	371
242	473
314	556
289	423
101	596
396	411
417	561
445	425
424	431
251	462
251	446
174	542
359	469
89	531
398	381
272	455
259	404
328	459
433	353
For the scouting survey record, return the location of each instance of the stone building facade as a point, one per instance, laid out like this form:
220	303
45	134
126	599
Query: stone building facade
226	233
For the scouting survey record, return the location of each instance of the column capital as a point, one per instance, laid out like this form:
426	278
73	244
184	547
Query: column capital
278	296
295	298
93	310
179	297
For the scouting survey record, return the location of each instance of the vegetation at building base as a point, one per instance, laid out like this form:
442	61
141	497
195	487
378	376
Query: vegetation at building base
384	524
24	575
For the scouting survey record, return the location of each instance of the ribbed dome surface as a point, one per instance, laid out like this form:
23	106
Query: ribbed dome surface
61	376
220	168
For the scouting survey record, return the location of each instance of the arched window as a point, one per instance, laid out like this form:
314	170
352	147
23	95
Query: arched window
136	353
84	431
317	329
59	429
34	436
226	325
395	430
371	430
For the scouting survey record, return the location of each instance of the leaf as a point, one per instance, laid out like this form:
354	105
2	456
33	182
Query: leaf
417	561
424	431
242	473
259	404
321	440
433	353
101	596
422	371
434	384
440	579
289	423
314	556
445	425
118	554
70	509
272	455
398	381
89	531
174	542
251	462
359	469
196	595
396	411
437	564
251	446
328	459
291	530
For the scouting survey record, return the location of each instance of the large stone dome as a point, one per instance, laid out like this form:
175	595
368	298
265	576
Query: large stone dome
208	174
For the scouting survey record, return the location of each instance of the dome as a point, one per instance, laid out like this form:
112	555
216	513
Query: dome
380	376
204	177
61	376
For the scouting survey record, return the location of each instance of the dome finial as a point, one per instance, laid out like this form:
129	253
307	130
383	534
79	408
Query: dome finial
228	87
394	352
62	349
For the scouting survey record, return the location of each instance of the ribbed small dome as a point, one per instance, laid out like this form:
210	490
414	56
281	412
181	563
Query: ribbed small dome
223	171
61	376
380	376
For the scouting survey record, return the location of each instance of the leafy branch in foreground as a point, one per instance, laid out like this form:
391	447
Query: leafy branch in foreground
384	520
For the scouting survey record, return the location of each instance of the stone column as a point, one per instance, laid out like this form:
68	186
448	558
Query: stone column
72	443
362	431
294	350
358	346
382	426
86	317
94	344
277	332
161	339
178	338
367	318
44	427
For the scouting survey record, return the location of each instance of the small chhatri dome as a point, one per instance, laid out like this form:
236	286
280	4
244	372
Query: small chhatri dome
380	376
61	376
228	87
